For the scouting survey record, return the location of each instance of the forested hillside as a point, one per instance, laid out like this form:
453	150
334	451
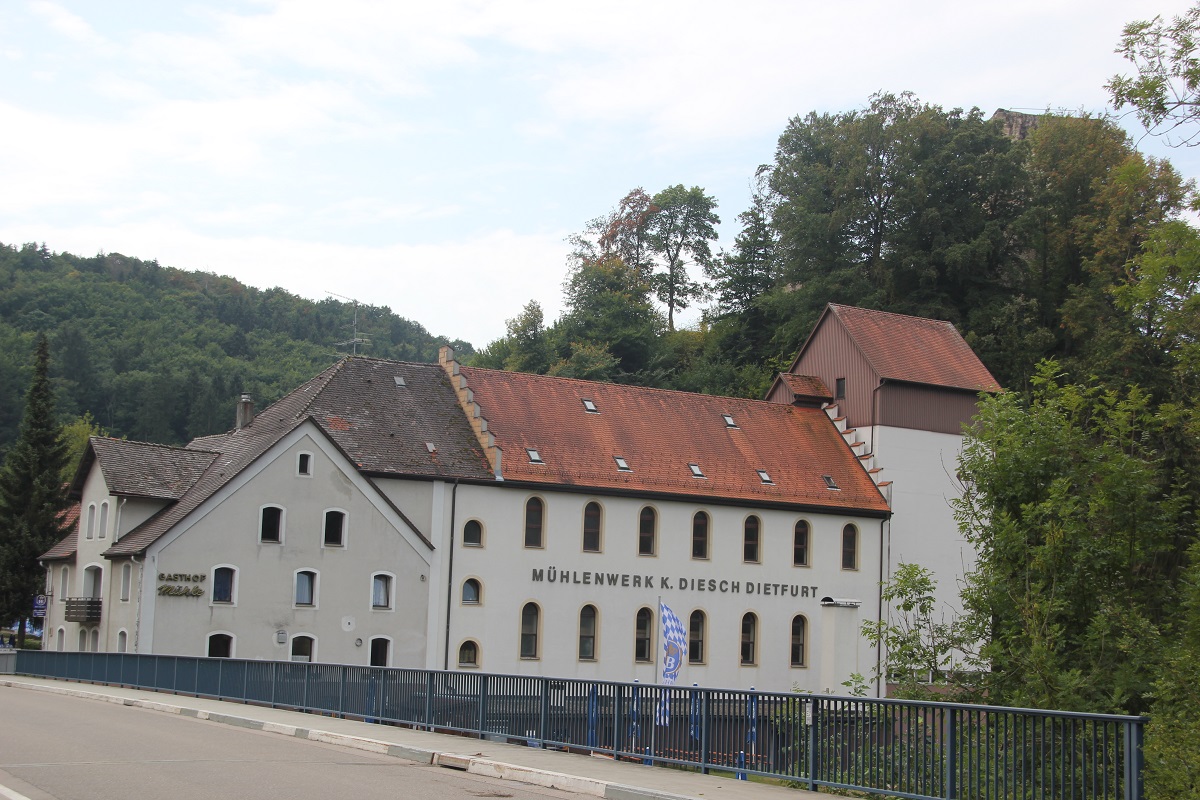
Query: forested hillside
161	355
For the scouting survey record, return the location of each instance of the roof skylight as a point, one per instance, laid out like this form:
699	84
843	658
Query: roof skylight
729	423
400	381
830	483
534	456
762	474
590	407
696	471
622	464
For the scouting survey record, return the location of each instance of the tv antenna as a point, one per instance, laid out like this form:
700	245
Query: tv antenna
356	340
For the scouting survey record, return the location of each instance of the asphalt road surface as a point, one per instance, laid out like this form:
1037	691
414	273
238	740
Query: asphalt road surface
67	748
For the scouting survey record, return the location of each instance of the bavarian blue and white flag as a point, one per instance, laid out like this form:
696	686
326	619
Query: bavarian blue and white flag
674	651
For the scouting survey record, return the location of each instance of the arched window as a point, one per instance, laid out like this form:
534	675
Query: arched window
643	633
530	622
799	629
304	648
381	651
749	638
335	528
750	544
95	640
61	640
83	640
102	528
126	581
647	532
473	533
224	585
587	633
696	630
800	544
64	583
220	645
533	522
849	547
700	535
468	654
591	527
306	587
122	641
270	526
91	520
472	592
93	580
381	591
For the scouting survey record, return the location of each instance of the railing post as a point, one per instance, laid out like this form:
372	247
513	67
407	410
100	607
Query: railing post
1133	760
429	701
950	753
304	696
341	709
814	717
482	710
705	730
544	711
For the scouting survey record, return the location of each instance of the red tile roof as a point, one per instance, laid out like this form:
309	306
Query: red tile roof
67	546
659	433
806	386
914	349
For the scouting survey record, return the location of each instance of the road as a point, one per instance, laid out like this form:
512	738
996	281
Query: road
54	747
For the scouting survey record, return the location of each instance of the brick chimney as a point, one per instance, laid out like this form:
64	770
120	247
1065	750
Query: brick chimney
245	412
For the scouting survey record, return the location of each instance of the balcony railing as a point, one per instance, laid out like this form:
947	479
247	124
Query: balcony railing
83	609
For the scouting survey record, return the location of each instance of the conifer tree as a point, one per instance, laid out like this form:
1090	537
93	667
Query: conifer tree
32	499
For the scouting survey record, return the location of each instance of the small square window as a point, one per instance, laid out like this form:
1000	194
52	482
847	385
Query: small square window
304	464
590	407
764	477
729	423
696	471
622	464
830	483
534	456
839	391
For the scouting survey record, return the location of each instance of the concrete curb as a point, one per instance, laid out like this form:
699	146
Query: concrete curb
472	764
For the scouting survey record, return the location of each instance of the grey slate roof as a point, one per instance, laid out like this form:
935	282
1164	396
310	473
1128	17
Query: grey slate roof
380	425
139	469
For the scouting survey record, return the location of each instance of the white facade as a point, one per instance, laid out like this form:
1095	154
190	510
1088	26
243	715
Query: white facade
170	606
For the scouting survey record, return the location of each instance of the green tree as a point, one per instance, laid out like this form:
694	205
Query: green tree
32	500
1173	735
1164	92
680	233
925	653
608	304
75	435
1081	524
529	348
587	361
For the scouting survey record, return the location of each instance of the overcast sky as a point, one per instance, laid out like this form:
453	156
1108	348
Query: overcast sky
432	157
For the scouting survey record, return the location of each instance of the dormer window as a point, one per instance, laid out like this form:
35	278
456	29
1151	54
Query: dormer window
729	423
590	407
764	477
534	456
622	464
696	471
830	483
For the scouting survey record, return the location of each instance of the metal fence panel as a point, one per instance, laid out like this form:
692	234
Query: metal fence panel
889	747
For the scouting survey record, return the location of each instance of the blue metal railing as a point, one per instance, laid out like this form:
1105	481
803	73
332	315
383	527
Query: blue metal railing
897	748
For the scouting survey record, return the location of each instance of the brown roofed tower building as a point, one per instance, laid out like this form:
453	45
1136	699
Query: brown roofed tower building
901	390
